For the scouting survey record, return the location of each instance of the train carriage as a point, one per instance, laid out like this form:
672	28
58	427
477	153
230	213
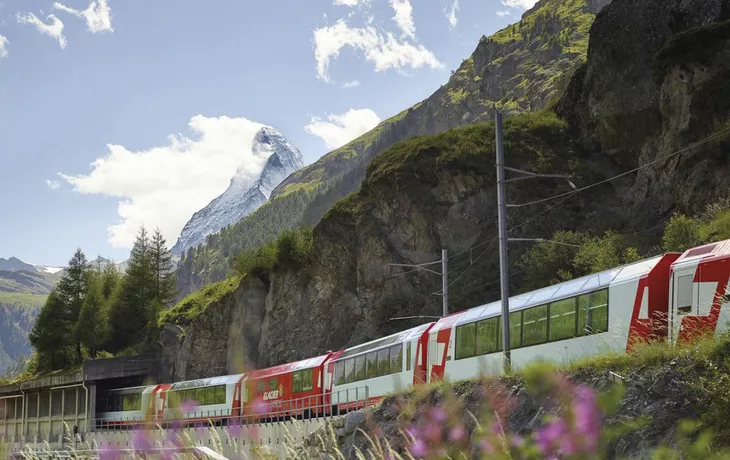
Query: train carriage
211	399
298	389
559	323
125	407
367	372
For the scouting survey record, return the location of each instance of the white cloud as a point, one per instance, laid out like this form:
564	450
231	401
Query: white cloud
453	19
163	186
351	84
352	3
385	51
338	130
524	4
98	15
4	46
53	184
54	29
504	13
404	17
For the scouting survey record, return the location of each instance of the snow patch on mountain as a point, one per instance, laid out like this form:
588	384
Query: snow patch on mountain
244	194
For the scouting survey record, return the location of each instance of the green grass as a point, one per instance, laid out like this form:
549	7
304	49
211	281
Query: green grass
21	298
192	306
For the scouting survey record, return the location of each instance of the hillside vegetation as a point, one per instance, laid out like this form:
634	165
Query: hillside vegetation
521	68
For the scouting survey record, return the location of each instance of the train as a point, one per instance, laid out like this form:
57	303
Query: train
674	297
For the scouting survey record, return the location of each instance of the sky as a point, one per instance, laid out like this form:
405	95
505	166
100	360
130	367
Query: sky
121	113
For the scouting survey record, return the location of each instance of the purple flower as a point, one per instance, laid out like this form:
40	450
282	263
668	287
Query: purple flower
418	448
140	441
432	432
487	446
110	453
457	433
439	415
547	437
188	407
587	418
260	407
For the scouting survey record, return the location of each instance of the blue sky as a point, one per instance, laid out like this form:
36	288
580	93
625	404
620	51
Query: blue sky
164	94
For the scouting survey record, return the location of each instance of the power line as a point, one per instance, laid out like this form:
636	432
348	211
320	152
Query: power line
710	138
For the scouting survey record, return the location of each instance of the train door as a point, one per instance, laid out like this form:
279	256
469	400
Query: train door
432	356
682	298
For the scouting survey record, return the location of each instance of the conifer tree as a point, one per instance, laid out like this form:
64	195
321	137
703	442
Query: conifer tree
71	290
51	337
129	318
164	275
91	328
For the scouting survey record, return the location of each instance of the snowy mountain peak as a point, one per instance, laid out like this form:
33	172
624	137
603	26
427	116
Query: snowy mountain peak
247	190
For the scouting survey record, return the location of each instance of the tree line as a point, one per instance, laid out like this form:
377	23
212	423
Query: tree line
96	311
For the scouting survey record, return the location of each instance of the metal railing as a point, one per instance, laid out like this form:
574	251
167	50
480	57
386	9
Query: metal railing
259	412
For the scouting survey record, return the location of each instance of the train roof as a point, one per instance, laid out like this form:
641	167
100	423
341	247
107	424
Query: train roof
390	340
208	382
714	250
288	367
567	289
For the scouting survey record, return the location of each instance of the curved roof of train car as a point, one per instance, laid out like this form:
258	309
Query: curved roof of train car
288	367
552	293
384	342
207	382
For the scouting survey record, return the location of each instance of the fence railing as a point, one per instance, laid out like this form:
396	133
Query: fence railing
258	412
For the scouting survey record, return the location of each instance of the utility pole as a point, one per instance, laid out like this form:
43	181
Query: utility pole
444	278
504	238
503	261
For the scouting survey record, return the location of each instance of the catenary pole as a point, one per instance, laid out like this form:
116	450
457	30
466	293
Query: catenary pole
503	262
445	279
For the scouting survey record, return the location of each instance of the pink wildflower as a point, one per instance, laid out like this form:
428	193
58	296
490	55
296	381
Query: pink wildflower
587	418
140	441
457	433
547	437
438	414
418	448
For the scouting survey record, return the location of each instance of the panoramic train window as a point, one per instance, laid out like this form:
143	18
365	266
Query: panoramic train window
340	372
273	384
132	402
562	319
466	340
536	325
396	359
349	371
383	362
302	381
372	359
360	368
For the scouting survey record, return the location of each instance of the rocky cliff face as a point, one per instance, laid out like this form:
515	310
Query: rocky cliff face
650	88
243	195
521	68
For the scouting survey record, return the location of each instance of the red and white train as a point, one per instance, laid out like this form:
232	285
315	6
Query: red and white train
673	297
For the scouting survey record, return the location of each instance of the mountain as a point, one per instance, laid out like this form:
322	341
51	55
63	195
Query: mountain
100	263
23	291
521	68
243	195
644	122
14	264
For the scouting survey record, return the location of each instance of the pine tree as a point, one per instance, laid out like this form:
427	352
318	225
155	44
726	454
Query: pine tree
71	290
91	328
164	288
50	337
128	319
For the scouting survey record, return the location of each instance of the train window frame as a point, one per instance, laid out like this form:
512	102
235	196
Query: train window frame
307	380
349	370
260	386
296	382
409	356
273	384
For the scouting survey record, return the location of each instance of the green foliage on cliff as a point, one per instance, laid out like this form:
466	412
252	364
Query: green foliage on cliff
188	309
